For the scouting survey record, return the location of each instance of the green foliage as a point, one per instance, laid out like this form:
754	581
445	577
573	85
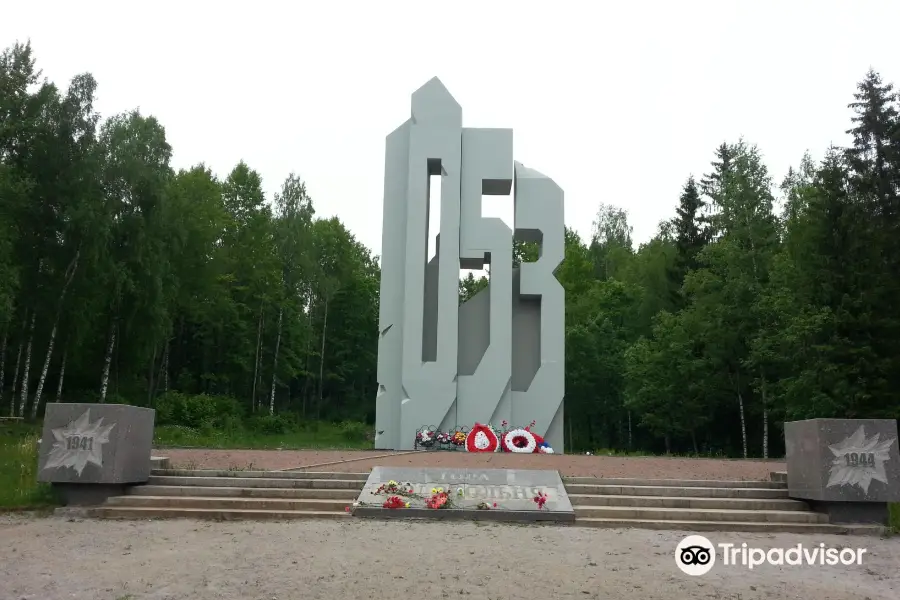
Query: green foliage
18	469
248	321
270	424
197	410
323	435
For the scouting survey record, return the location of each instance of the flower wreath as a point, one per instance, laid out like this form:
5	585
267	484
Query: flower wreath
482	439
520	441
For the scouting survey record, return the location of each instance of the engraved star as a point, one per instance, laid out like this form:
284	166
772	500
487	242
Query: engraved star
842	473
78	458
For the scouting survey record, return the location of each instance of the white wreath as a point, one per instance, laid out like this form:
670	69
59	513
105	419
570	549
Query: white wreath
512	434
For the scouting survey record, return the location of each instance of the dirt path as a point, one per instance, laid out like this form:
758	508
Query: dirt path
56	559
572	465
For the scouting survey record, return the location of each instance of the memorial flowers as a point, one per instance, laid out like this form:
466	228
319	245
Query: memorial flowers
395	502
519	441
540	500
439	499
426	437
482	438
485	438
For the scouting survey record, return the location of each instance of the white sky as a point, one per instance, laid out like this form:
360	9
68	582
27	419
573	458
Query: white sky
617	101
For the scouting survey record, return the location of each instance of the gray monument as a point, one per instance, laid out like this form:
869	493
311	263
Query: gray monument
500	355
92	451
847	468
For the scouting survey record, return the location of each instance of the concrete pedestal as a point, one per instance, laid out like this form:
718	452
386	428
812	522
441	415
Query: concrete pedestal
846	468
92	451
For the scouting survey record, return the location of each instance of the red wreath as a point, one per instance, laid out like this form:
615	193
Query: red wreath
492	441
539	440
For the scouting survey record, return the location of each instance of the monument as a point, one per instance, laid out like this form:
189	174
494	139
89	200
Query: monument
846	468
500	355
90	452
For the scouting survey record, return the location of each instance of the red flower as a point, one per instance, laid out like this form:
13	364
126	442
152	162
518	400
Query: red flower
540	500
346	509
394	502
495	505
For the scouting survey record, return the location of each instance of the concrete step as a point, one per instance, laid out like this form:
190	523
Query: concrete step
702	483
688	502
691	514
237	492
674	491
136	512
254	504
258	474
159	462
779	476
257	482
732	526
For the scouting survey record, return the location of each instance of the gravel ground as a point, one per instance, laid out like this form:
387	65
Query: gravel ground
54	559
571	465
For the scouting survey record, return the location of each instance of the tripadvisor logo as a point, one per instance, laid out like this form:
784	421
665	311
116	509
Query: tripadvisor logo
696	555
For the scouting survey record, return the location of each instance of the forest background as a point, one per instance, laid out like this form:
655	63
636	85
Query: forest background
248	321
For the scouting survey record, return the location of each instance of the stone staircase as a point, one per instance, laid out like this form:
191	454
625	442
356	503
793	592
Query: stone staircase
231	495
664	504
697	505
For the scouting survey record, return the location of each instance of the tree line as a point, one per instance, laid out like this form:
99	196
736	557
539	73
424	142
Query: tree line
125	280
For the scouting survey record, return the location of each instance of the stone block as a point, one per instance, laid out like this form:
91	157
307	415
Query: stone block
96	444
843	460
513	490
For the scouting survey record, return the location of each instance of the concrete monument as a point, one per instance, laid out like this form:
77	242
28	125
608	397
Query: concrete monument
847	468
92	451
500	355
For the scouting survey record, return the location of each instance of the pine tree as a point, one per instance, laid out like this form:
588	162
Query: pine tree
690	237
875	154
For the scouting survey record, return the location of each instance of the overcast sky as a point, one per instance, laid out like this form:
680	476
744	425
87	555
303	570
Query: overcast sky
617	101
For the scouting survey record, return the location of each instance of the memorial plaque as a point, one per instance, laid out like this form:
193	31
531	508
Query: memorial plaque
96	444
472	493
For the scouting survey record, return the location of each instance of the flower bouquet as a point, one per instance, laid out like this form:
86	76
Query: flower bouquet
439	499
426	437
443	439
458	438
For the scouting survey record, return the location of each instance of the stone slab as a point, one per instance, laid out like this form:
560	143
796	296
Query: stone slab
96	444
843	460
513	490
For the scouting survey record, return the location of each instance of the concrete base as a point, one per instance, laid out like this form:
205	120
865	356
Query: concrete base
853	512
87	494
511	490
466	514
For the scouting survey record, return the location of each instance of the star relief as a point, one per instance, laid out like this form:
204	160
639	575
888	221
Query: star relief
859	460
79	443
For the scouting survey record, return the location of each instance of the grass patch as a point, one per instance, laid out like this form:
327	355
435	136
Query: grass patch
18	469
895	517
319	436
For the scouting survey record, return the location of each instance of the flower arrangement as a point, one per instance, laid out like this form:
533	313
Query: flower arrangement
426	437
540	500
485	506
485	438
458	438
395	502
393	488
439	499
